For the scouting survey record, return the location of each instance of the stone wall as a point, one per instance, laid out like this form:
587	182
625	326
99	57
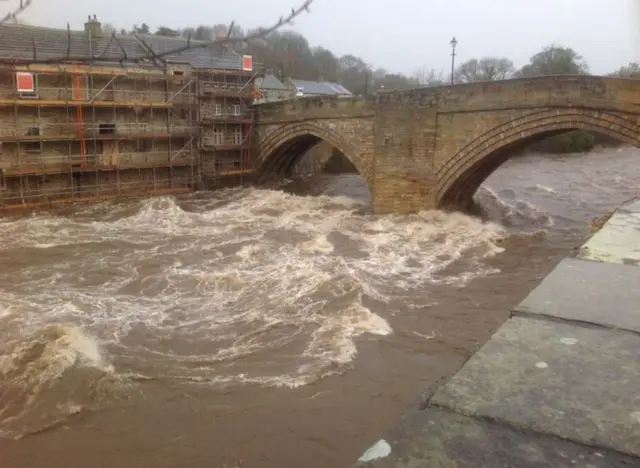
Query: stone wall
433	147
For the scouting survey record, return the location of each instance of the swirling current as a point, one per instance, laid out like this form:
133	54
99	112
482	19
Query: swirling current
276	327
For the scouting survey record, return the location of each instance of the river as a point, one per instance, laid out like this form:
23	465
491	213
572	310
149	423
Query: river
264	328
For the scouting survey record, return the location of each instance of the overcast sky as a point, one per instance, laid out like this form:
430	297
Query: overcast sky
399	35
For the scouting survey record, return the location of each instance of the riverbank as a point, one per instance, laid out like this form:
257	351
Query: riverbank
539	393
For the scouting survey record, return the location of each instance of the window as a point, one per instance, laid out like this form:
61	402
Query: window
33	131
3	182
247	62
33	146
106	128
218	109
237	136
218	136
236	109
265	95
142	146
26	84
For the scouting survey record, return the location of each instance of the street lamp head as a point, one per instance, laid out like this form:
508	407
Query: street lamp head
453	43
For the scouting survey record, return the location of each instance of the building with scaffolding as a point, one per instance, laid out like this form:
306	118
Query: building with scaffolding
81	121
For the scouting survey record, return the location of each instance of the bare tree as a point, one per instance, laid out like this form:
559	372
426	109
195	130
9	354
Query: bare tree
485	69
428	77
230	38
628	71
108	28
12	16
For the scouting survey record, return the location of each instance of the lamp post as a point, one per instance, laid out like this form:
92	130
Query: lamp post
453	43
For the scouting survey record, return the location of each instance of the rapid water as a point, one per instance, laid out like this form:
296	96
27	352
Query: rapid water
258	295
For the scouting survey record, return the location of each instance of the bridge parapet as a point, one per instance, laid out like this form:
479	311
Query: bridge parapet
606	93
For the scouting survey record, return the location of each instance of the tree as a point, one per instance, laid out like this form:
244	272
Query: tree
554	60
203	33
484	69
167	32
325	64
628	71
428	77
354	74
142	29
392	81
108	29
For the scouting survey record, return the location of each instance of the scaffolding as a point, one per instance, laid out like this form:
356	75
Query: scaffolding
227	119
83	133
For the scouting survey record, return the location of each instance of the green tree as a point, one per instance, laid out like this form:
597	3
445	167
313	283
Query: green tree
484	69
142	29
167	32
554	60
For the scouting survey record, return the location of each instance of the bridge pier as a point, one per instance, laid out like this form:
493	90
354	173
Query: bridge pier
402	192
404	142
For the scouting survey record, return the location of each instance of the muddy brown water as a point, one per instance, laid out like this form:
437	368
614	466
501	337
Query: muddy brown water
269	328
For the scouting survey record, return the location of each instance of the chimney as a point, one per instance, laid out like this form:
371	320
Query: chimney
221	33
93	27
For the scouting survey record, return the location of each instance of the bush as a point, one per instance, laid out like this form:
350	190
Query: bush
577	141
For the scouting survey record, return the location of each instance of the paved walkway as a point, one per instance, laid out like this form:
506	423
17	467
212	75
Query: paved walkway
558	385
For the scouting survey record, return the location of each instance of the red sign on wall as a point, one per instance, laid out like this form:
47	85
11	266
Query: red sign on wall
25	82
247	62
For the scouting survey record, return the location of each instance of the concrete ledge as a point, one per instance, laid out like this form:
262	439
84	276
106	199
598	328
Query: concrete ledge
631	207
436	438
618	241
558	385
585	291
573	382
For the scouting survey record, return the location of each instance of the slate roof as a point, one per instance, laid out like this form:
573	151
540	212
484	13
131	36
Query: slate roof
17	42
320	87
270	82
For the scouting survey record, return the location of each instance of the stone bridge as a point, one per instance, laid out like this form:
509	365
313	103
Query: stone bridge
433	147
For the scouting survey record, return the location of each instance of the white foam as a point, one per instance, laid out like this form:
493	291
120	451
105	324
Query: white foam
184	294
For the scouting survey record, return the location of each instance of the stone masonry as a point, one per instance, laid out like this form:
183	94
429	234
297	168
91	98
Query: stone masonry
432	147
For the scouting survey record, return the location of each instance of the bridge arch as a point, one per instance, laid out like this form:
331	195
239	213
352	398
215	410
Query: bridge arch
281	149
461	176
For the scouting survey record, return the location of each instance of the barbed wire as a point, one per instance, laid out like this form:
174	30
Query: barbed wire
157	57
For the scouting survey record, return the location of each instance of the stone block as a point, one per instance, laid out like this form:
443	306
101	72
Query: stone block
436	438
600	293
618	241
574	382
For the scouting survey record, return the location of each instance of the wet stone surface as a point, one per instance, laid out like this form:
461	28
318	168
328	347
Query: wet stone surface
436	438
595	292
618	241
575	382
633	207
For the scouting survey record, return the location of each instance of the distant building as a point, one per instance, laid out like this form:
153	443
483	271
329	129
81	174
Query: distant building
303	88
269	89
